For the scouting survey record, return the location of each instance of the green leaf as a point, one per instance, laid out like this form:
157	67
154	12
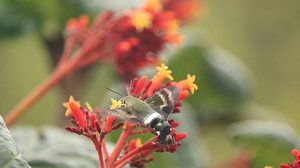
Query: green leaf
56	148
186	152
270	141
47	18
223	80
12	22
253	131
24	64
10	157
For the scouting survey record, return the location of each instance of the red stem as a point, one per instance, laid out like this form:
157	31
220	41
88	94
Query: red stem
98	146
148	145
120	144
105	150
52	80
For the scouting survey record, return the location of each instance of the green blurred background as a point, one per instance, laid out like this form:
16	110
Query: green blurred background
245	55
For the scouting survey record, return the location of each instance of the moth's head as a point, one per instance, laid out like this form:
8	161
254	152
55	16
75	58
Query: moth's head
166	140
166	128
133	102
128	103
163	128
128	100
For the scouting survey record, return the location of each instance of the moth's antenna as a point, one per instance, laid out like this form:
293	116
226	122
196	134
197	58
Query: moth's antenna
138	126
115	92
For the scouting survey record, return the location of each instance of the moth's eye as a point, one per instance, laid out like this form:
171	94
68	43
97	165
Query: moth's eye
123	103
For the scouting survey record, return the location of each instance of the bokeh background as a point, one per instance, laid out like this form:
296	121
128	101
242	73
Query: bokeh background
245	55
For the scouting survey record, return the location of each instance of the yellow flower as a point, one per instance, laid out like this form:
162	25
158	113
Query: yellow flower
192	86
116	104
154	4
66	105
159	77
164	71
141	20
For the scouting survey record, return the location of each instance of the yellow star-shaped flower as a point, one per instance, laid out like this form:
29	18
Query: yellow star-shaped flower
163	70
141	20
191	79
116	104
67	106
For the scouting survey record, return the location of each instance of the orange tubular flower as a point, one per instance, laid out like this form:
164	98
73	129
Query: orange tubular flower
162	74
188	83
78	114
108	126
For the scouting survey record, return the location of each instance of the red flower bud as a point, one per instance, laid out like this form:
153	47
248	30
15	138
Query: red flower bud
140	85
296	154
78	25
108	124
122	48
132	145
133	41
285	166
93	119
180	136
174	123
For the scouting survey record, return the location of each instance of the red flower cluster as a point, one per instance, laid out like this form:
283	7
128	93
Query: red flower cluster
87	122
132	40
295	164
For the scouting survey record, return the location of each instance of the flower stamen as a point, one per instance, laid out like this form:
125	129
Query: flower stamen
159	77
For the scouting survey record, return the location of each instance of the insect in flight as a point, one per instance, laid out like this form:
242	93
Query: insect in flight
152	112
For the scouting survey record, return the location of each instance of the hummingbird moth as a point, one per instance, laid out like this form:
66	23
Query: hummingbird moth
153	112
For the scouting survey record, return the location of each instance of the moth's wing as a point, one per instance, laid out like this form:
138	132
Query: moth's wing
163	101
121	115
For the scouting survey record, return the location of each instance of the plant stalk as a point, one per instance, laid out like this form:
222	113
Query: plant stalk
34	96
119	145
